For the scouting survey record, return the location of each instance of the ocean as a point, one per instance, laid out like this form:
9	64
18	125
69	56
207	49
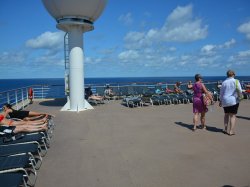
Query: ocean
9	84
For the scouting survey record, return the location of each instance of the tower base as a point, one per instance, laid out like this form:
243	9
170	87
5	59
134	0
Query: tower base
87	106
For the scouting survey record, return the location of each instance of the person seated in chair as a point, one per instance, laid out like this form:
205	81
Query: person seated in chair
108	92
168	91
23	114
89	95
190	88
177	88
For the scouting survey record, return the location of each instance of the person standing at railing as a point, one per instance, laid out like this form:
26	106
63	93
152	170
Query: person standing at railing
30	93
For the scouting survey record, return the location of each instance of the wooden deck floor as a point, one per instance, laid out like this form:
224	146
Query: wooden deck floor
116	146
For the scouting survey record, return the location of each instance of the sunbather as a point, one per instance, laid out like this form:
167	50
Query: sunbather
89	95
177	88
7	122
22	114
23	128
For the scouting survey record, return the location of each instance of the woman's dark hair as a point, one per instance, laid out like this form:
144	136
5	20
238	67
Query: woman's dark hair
197	77
8	105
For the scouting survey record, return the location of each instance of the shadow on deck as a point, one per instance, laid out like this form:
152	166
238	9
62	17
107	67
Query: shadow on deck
54	102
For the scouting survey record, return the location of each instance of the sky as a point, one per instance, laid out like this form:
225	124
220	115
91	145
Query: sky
132	38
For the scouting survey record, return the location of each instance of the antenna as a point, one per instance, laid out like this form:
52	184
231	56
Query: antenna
75	17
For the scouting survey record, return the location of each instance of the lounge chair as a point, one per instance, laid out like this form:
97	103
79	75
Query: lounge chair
37	138
13	179
132	101
156	99
19	163
33	149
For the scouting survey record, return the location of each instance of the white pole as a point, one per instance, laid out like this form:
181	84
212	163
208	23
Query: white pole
76	60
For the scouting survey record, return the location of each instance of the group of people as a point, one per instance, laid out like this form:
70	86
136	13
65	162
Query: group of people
177	88
108	93
14	121
229	100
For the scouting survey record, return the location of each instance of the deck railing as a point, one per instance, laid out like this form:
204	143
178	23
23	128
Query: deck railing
19	97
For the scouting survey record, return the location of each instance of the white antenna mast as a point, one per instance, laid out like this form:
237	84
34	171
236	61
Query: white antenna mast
75	17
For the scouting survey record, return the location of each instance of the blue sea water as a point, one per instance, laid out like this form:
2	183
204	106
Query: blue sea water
8	84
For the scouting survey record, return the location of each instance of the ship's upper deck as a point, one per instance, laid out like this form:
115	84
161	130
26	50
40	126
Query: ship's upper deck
153	146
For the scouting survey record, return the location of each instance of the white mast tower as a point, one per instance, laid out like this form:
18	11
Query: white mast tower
75	17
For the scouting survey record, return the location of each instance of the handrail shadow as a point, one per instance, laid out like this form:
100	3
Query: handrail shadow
54	102
209	128
243	117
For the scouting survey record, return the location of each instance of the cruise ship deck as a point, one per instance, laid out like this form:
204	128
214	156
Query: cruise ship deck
153	146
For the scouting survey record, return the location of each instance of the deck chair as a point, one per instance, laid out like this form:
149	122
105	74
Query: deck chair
156	99
36	138
174	99
146	99
166	99
132	101
13	179
182	98
19	163
30	148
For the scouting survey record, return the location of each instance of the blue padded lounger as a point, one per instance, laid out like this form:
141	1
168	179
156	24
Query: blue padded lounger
18	163
15	179
33	149
34	137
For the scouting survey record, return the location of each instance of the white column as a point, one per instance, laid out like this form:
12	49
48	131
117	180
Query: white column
76	60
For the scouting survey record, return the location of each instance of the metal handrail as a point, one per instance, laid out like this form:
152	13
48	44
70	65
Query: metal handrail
20	98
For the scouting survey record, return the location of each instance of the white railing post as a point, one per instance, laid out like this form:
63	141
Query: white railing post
27	94
42	91
22	99
16	99
8	97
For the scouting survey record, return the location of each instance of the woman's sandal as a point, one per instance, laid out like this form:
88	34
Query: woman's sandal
204	127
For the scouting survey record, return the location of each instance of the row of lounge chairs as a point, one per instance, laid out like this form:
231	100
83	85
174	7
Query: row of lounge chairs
161	99
139	95
21	156
166	99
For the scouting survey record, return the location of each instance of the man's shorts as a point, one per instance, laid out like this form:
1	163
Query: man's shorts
231	109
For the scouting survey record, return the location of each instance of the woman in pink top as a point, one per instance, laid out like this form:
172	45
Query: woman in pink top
198	105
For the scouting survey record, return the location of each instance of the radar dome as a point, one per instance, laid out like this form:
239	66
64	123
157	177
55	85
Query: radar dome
86	9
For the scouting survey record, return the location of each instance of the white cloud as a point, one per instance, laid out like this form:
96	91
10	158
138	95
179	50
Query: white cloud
180	26
240	58
8	58
126	19
208	61
244	54
208	49
127	56
134	36
47	40
229	44
212	49
245	29
167	59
